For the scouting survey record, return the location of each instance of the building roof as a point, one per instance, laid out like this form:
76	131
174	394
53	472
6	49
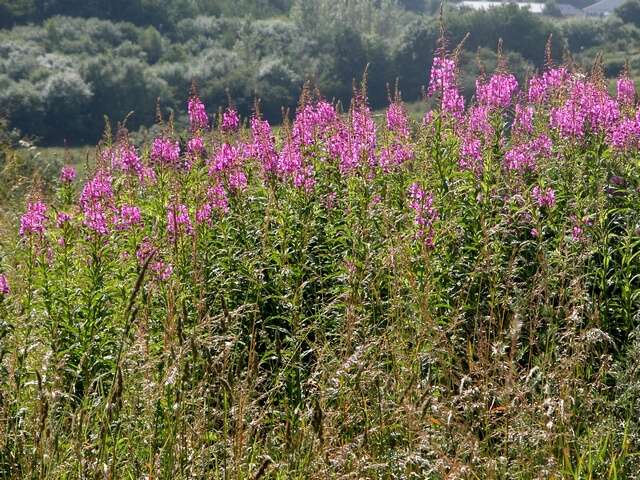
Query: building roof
567	10
603	7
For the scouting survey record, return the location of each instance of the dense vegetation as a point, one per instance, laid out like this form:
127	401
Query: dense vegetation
352	297
64	64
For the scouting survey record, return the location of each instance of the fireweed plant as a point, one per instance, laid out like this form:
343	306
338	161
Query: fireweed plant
353	296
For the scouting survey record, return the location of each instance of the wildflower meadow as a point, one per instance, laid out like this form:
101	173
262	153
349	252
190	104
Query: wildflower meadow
353	294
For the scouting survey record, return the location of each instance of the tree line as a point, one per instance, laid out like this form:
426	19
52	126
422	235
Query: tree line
65	64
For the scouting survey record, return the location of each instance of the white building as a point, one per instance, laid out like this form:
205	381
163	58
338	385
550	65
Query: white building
487	5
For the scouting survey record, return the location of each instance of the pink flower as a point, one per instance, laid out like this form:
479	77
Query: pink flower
162	270
33	221
397	120
145	250
4	285
195	146
471	156
63	219
289	160
524	156
540	87
230	120
178	219
576	233
217	196
544	198
355	144
626	91
497	92
313	121
394	155
198	118
453	103
625	135
203	214
165	152
127	217
425	213
304	178
67	174
478	121
129	159
569	120
264	146
96	201
523	120
443	75
237	180
226	157
442	80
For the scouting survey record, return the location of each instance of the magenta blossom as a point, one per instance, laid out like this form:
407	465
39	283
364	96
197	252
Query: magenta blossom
625	135
145	250
203	214
237	180
524	156
569	120
443	75
544	198
313	122
540	87
497	92
225	158
178	219
523	120
67	174
127	217
230	120
426	214
198	118
478	122
162	270
471	156
264	146
62	219
4	285
453	103
442	80
397	120
393	155
33	221
165	152
195	146
217	196
96	201
626	91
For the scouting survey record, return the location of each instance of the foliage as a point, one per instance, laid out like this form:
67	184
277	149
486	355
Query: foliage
629	12
243	50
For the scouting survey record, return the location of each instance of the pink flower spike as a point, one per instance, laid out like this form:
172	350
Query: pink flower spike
544	198
230	121
4	285
198	118
33	221
67	174
178	220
